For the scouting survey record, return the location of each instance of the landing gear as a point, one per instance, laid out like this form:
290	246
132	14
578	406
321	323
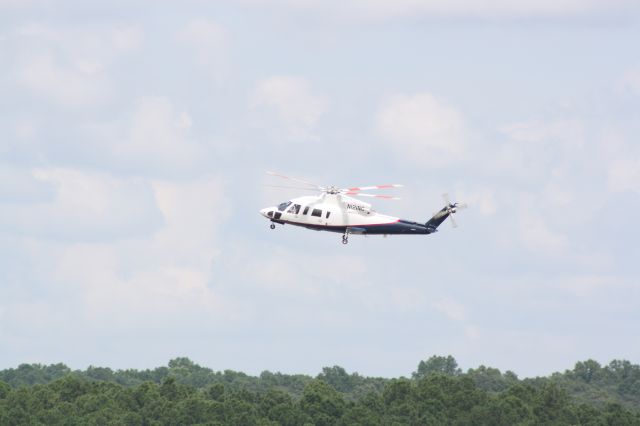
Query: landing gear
345	237
272	226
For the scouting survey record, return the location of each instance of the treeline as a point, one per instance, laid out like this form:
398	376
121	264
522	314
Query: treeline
437	393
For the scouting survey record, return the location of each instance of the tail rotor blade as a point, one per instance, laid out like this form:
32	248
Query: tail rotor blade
452	208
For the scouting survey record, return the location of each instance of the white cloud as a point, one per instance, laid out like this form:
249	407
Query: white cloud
422	129
66	84
127	39
482	198
158	133
70	66
451	309
538	237
586	285
193	212
540	159
457	312
20	185
568	132
631	80
488	9
23	4
624	175
542	148
209	42
291	99
205	34
116	292
78	205
32	317
404	299
387	10
157	281
289	273
153	137
472	332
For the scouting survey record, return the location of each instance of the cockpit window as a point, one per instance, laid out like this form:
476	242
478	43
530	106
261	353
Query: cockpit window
295	209
283	206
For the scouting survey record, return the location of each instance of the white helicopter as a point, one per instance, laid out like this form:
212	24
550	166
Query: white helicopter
335	210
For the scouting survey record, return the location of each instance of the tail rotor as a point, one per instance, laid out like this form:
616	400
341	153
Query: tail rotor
452	208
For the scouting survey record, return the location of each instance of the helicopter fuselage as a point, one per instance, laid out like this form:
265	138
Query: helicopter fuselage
341	214
335	210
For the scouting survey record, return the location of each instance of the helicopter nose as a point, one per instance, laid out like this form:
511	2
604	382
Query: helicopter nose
263	212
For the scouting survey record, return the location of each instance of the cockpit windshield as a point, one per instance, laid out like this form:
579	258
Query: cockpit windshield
283	206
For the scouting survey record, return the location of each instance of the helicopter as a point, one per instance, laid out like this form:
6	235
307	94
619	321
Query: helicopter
336	210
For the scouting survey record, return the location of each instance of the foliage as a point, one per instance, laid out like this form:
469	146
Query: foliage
438	393
437	365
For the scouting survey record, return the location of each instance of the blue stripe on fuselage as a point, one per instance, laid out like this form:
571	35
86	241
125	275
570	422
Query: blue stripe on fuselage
402	227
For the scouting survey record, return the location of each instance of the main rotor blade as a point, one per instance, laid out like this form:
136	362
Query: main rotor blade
295	179
291	187
385	197
368	188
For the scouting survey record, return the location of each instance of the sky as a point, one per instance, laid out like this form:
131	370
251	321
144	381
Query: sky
136	136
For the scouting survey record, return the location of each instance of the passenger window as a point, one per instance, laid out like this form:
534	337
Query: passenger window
328	213
306	210
316	212
295	209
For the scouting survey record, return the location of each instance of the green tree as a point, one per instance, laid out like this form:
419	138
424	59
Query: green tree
216	392
504	410
239	412
399	402
360	415
437	365
553	406
490	379
587	370
588	395
5	389
339	379
322	403
280	407
99	373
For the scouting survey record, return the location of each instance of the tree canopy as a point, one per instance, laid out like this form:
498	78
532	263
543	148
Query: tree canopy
438	393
